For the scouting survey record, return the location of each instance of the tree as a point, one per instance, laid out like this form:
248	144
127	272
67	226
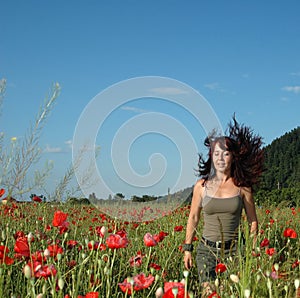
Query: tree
119	196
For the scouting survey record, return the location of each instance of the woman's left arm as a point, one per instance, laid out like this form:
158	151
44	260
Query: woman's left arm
250	211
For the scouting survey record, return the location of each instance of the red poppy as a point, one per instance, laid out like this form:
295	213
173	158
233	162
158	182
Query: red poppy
40	270
71	243
290	233
59	219
37	199
38	256
2	192
92	295
22	247
3	256
270	251
265	243
155	266
136	261
149	240
178	228
100	231
214	295
168	286
160	236
55	250
220	268
134	225
97	245
141	281
19	234
296	264
268	211
64	228
122	233
126	286
116	241
71	264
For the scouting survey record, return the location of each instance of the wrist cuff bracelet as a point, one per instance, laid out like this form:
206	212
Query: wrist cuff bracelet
188	247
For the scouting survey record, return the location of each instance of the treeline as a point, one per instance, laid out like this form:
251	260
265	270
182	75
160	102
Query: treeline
281	178
144	198
282	162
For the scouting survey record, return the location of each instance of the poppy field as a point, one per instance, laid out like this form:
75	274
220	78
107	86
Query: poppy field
67	250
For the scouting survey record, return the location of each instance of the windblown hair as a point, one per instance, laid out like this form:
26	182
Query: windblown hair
247	154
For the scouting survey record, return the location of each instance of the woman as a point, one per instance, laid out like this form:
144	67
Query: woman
233	167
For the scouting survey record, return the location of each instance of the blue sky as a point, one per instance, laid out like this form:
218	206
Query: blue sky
242	57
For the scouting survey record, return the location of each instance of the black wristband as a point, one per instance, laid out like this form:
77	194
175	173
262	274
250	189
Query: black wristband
188	247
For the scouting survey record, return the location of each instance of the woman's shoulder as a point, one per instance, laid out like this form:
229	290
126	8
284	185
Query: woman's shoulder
198	192
245	191
200	183
199	186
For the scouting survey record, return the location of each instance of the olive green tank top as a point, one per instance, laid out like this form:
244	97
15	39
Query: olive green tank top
222	217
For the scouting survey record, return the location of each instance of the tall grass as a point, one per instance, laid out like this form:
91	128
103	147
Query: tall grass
17	156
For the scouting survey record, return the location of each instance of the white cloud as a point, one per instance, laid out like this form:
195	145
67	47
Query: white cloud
212	86
284	99
69	143
133	109
295	73
169	91
49	149
294	89
216	87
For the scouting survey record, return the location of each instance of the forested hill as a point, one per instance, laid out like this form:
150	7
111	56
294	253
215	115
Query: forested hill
282	162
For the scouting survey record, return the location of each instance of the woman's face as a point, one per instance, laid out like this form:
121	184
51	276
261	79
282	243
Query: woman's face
222	159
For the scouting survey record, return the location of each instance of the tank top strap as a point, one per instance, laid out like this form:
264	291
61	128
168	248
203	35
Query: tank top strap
239	193
204	194
205	188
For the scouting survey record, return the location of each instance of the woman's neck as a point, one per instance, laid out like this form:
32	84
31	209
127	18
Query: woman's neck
221	178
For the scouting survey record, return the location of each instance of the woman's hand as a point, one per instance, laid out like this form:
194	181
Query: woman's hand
188	260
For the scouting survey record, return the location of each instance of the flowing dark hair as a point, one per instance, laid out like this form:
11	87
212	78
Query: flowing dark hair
247	154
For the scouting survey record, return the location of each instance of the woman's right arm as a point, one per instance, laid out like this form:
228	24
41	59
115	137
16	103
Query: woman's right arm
193	220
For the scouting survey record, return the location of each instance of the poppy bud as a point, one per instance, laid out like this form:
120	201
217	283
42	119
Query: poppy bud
27	271
103	230
247	293
47	253
61	283
175	291
234	278
30	237
159	292
297	283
